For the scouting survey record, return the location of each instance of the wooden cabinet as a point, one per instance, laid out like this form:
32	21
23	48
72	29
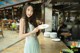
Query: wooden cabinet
8	13
1	14
17	12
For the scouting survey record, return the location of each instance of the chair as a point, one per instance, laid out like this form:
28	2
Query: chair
1	29
5	25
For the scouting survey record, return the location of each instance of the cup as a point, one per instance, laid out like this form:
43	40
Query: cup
53	34
47	34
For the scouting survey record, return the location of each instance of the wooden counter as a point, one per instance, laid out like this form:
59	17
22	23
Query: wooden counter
49	46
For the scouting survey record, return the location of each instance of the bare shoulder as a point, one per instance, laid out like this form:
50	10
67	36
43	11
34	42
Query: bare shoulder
22	20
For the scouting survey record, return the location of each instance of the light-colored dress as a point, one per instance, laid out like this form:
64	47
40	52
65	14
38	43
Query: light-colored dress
31	42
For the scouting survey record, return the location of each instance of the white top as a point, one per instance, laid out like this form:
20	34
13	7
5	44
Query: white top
31	28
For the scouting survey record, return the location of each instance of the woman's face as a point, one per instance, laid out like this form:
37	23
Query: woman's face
29	11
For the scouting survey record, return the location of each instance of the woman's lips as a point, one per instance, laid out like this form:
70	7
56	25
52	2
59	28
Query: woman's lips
29	14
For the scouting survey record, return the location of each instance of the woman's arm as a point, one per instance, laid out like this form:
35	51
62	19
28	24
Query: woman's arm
21	30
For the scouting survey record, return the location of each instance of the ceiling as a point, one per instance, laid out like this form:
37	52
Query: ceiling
67	6
65	0
4	3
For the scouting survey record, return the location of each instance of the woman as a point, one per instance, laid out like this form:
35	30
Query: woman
29	30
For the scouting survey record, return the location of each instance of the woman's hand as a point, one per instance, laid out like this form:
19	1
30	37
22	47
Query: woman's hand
35	30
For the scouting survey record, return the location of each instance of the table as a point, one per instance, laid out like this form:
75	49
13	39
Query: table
52	46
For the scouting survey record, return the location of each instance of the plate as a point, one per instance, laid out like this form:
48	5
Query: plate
56	39
43	26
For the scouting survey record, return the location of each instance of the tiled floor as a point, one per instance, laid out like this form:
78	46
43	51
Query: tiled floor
10	37
47	46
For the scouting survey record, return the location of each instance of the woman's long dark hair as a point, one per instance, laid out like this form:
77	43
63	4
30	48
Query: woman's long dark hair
32	19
